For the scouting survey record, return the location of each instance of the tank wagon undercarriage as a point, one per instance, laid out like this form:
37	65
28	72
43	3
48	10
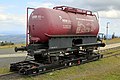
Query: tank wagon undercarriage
58	38
45	60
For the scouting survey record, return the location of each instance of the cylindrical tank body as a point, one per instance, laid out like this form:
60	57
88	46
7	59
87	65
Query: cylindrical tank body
44	21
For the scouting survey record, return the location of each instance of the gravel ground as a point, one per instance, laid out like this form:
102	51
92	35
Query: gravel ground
7	51
110	46
5	62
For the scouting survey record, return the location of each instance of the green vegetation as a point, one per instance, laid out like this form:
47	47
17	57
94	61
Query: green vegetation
112	41
12	46
6	43
104	69
4	70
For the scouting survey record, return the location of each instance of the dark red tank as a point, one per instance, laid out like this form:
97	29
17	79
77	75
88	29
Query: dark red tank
61	21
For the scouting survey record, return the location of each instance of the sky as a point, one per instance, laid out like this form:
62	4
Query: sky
13	13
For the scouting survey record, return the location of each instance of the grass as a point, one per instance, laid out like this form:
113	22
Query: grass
4	70
11	46
104	69
112	41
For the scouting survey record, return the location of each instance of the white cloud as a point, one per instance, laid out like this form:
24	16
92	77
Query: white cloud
2	8
109	9
110	14
3	17
10	22
6	18
106	9
36	4
9	17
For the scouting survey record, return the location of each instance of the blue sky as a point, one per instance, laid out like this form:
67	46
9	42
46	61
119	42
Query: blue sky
13	13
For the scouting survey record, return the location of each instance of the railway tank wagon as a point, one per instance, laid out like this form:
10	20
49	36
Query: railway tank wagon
62	26
57	38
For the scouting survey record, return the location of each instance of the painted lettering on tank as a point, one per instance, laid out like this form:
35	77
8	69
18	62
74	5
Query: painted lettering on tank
34	16
91	26
78	23
60	17
39	17
84	28
67	26
66	23
81	19
80	29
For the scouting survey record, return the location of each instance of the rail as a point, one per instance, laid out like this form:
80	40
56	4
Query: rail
8	75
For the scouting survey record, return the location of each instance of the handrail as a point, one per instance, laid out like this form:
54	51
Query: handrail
73	10
27	28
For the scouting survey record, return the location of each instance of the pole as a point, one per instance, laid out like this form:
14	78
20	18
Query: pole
107	31
27	28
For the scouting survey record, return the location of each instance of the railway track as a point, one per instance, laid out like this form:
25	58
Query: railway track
111	55
114	48
106	54
8	76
